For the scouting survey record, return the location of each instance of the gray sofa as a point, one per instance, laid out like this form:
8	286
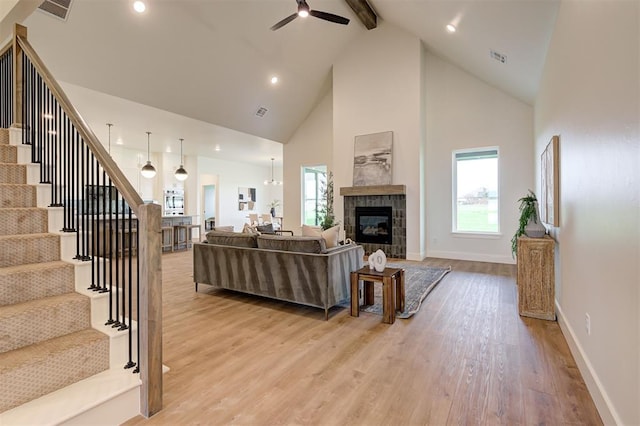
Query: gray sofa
295	269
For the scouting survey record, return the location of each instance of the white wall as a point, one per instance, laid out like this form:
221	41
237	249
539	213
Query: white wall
377	87
463	112
311	145
590	97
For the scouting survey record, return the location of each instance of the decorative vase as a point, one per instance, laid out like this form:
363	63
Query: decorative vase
535	228
273	212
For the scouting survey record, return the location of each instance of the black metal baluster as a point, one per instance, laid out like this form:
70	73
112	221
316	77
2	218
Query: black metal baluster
92	196
67	199
110	320
38	121
77	184
137	369
30	131
56	167
130	362
117	260
44	166
123	325
105	235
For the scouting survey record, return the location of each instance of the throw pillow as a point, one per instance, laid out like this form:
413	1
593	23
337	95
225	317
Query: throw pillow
311	231
331	236
266	229
248	229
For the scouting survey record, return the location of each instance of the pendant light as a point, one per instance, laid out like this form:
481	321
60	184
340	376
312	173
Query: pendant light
148	170
181	174
272	181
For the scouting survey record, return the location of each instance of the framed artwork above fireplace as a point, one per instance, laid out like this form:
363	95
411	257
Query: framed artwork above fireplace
372	159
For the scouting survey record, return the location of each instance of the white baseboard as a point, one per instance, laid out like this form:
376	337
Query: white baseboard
416	256
476	257
602	401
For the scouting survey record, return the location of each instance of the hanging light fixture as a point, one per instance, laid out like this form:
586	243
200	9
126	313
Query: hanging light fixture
148	170
181	174
272	181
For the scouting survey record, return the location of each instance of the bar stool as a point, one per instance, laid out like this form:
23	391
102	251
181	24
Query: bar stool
189	236
178	239
167	234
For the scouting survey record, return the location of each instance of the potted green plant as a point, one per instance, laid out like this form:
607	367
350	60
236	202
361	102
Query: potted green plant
326	212
529	223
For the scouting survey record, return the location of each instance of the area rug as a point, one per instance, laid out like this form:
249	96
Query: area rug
418	283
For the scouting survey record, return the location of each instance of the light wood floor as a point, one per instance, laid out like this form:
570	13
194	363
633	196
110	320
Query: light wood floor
466	358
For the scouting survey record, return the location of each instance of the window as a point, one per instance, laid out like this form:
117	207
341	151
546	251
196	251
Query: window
314	180
475	191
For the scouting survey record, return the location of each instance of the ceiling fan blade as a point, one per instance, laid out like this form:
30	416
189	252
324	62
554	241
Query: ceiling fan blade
329	17
284	22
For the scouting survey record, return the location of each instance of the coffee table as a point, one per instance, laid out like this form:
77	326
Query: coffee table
392	280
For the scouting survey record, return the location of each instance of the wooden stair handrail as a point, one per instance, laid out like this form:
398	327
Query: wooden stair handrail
125	188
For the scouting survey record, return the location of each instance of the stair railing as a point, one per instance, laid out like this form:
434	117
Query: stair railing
114	229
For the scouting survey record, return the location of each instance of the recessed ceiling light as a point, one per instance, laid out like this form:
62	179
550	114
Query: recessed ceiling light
119	141
274	79
139	6
217	148
451	28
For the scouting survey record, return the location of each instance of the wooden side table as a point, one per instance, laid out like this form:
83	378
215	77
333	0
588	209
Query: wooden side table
392	280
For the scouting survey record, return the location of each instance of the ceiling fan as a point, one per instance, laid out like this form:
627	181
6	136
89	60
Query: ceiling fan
304	11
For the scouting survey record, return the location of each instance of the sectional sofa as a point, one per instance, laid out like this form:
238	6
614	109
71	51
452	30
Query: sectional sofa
290	268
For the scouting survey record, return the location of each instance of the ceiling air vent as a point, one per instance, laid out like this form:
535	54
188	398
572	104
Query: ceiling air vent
261	112
498	56
57	8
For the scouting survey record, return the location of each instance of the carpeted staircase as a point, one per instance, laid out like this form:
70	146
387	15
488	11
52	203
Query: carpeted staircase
46	339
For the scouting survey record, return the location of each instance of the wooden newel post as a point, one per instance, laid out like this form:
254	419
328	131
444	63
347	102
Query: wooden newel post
18	31
150	315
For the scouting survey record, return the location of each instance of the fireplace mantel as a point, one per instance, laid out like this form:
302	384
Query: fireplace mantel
354	191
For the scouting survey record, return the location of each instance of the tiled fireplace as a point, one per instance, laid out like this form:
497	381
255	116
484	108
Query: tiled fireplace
382	214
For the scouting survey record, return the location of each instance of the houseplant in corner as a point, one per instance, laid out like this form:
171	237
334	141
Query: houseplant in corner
529	223
326	212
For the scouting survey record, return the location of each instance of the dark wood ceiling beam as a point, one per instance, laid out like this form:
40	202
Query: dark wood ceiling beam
364	13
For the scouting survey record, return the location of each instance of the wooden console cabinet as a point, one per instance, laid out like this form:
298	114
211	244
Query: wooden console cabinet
536	277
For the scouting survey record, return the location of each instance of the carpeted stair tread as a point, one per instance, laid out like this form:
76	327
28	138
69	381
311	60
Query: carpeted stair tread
28	248
17	195
4	136
8	154
38	369
13	173
22	283
24	324
23	220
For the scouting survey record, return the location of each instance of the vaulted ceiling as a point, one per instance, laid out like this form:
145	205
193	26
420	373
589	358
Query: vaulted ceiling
212	60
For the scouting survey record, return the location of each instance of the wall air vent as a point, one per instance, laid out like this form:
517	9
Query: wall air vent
57	8
498	56
261	112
